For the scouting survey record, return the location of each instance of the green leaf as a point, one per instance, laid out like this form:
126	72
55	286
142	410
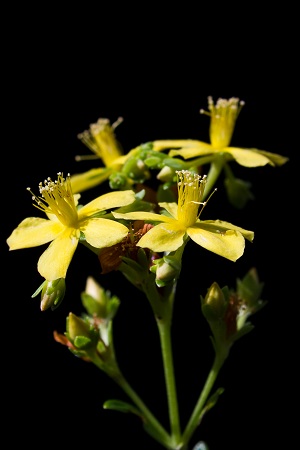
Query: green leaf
211	402
121	406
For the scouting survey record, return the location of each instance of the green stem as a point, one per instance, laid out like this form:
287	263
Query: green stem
196	414
165	437
114	372
164	328
213	174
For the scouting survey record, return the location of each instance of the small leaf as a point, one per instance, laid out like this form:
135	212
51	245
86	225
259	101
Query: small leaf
210	403
121	406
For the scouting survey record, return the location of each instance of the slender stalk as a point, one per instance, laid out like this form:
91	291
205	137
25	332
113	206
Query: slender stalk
196	414
164	328
165	437
213	174
117	376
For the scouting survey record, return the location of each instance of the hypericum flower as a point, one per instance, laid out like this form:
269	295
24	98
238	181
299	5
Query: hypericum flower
100	139
223	116
65	224
182	220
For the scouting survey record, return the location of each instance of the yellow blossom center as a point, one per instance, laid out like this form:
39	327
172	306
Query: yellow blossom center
223	116
56	197
100	139
190	193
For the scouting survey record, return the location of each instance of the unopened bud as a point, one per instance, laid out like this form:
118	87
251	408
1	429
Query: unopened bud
136	169
166	270
53	293
98	302
166	174
214	303
118	180
80	333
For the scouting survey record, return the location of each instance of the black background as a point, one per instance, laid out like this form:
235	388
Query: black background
59	79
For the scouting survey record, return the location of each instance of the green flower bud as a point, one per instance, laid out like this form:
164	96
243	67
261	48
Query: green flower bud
166	269
80	333
119	181
167	174
136	169
99	302
53	293
214	304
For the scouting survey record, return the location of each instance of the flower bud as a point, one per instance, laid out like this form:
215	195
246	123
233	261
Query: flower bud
80	333
136	169
53	293
214	303
119	181
166	174
166	269
99	302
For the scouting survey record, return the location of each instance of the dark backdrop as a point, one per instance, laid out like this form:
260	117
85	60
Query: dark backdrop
53	92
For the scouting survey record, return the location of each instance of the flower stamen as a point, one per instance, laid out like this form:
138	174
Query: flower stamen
190	193
223	116
57	198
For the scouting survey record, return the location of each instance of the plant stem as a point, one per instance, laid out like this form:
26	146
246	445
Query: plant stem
147	416
213	174
165	437
196	414
164	328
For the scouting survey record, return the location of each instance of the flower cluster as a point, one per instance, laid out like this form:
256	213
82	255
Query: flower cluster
155	207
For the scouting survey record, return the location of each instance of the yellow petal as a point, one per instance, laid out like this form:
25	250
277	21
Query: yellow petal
248	157
54	262
219	226
143	215
200	149
120	161
172	208
104	232
165	237
32	232
174	143
107	201
278	160
230	245
86	180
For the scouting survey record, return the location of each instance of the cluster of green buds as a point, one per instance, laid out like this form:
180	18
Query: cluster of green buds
227	310
90	336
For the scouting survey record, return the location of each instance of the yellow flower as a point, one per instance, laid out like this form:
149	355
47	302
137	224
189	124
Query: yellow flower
182	220
223	116
100	139
65	224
